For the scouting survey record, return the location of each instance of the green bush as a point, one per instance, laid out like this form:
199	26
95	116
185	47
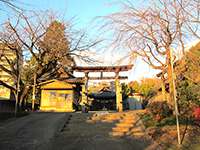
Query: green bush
168	121
159	110
148	120
188	97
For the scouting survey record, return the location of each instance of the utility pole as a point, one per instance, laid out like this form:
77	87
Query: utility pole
34	90
175	99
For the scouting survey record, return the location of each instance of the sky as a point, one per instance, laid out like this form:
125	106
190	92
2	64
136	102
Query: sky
83	14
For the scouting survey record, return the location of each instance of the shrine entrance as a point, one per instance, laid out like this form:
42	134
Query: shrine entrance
103	99
102	70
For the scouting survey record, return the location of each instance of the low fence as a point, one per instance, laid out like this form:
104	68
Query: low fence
7	106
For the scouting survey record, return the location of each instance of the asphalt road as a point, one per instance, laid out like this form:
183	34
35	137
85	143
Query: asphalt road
32	132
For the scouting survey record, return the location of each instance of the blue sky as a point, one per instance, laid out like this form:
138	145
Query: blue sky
84	12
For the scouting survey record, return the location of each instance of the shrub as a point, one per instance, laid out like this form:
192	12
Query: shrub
196	113
147	120
188	97
168	121
159	110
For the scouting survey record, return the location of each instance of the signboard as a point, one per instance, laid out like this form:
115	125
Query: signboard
4	92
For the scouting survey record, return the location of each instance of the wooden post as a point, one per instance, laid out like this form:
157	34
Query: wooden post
169	76
34	90
85	90
86	86
119	105
175	99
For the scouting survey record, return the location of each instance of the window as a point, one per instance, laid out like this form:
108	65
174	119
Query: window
52	96
63	96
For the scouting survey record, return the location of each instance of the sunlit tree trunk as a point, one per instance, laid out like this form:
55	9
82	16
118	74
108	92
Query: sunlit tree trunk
169	77
163	87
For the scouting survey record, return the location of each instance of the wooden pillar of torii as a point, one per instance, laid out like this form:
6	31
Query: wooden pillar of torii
118	89
85	90
102	69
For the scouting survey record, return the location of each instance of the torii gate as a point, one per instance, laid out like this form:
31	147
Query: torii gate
102	69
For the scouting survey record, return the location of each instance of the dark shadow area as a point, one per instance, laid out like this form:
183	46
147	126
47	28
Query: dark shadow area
6	115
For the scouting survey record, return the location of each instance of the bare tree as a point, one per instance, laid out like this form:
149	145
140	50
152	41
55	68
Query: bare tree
10	4
191	11
27	34
150	32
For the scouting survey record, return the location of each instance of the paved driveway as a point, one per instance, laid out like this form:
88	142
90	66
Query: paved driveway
32	132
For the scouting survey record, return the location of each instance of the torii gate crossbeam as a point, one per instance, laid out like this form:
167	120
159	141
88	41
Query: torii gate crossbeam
101	69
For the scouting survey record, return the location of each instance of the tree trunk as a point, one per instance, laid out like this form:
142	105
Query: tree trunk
34	91
23	95
16	103
17	93
163	88
169	77
172	91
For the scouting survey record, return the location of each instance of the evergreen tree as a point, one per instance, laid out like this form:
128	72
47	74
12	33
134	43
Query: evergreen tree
56	45
188	80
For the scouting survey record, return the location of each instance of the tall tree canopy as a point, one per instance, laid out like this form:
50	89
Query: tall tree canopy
56	45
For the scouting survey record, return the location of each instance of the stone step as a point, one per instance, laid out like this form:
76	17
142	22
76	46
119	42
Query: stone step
107	120
124	125
129	117
117	129
112	117
127	121
116	134
137	129
137	134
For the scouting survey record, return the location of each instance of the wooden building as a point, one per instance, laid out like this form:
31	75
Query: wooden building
59	95
105	99
134	101
7	56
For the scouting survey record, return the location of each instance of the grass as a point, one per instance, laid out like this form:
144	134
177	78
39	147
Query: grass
164	132
149	121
